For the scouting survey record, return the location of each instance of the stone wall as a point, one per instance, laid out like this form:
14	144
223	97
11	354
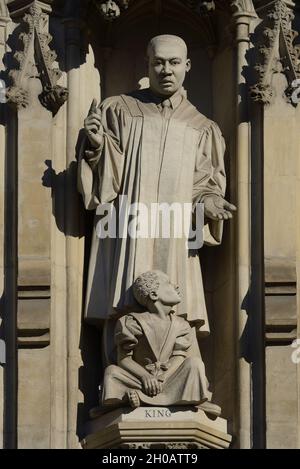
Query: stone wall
53	360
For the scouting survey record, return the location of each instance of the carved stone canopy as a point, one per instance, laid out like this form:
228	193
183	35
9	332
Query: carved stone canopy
17	8
36	51
277	48
278	52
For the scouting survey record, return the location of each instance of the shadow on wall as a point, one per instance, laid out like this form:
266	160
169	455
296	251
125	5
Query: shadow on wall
252	337
89	375
76	11
67	207
73	220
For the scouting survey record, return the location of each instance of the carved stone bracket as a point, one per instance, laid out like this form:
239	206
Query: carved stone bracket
36	49
279	54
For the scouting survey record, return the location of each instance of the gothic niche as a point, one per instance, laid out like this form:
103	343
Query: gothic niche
37	53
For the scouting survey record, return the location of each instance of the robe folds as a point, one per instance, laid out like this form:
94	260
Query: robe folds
149	160
152	345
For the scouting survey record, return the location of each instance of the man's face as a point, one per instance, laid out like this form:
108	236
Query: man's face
168	66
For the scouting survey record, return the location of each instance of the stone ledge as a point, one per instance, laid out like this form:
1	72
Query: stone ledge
156	427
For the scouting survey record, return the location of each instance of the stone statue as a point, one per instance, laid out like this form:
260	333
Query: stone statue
154	362
151	146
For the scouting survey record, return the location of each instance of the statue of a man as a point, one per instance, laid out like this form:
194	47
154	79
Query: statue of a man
151	146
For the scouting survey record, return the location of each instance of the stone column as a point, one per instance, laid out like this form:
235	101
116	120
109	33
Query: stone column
67	240
8	203
66	270
243	18
275	88
73	244
4	20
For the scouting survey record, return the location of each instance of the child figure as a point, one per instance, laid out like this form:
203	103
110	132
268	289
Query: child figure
154	364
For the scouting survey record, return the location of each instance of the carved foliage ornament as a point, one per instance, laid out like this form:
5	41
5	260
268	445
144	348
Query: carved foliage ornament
112	9
279	55
36	47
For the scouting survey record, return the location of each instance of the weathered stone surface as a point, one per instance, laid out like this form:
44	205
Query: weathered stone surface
282	396
34	399
263	168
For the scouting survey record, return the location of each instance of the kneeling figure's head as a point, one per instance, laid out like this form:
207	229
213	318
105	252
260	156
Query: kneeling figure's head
155	286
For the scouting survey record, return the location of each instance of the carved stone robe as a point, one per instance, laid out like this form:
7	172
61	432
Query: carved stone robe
152	345
149	159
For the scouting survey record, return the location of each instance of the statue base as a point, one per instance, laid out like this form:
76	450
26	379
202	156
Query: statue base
156	427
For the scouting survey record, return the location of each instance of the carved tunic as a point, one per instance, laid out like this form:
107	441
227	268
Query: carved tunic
137	335
149	163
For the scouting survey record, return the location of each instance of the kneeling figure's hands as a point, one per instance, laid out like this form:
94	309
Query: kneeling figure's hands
151	385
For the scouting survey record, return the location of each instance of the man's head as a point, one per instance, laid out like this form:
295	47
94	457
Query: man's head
155	286
168	64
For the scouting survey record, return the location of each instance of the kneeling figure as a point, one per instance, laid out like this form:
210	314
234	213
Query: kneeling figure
155	366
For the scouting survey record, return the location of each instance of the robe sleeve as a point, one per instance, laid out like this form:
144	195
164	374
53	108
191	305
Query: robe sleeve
183	340
210	177
100	171
126	335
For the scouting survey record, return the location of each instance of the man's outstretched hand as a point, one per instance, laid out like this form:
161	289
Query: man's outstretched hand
217	208
93	126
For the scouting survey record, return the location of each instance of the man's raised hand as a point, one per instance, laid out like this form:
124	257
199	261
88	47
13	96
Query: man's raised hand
93	126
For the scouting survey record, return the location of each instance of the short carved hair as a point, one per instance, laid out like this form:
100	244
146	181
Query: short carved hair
166	37
144	285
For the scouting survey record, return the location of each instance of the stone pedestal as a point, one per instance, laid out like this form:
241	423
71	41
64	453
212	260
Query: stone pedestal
156	427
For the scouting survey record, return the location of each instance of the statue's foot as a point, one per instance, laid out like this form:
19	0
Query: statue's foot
133	399
210	408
